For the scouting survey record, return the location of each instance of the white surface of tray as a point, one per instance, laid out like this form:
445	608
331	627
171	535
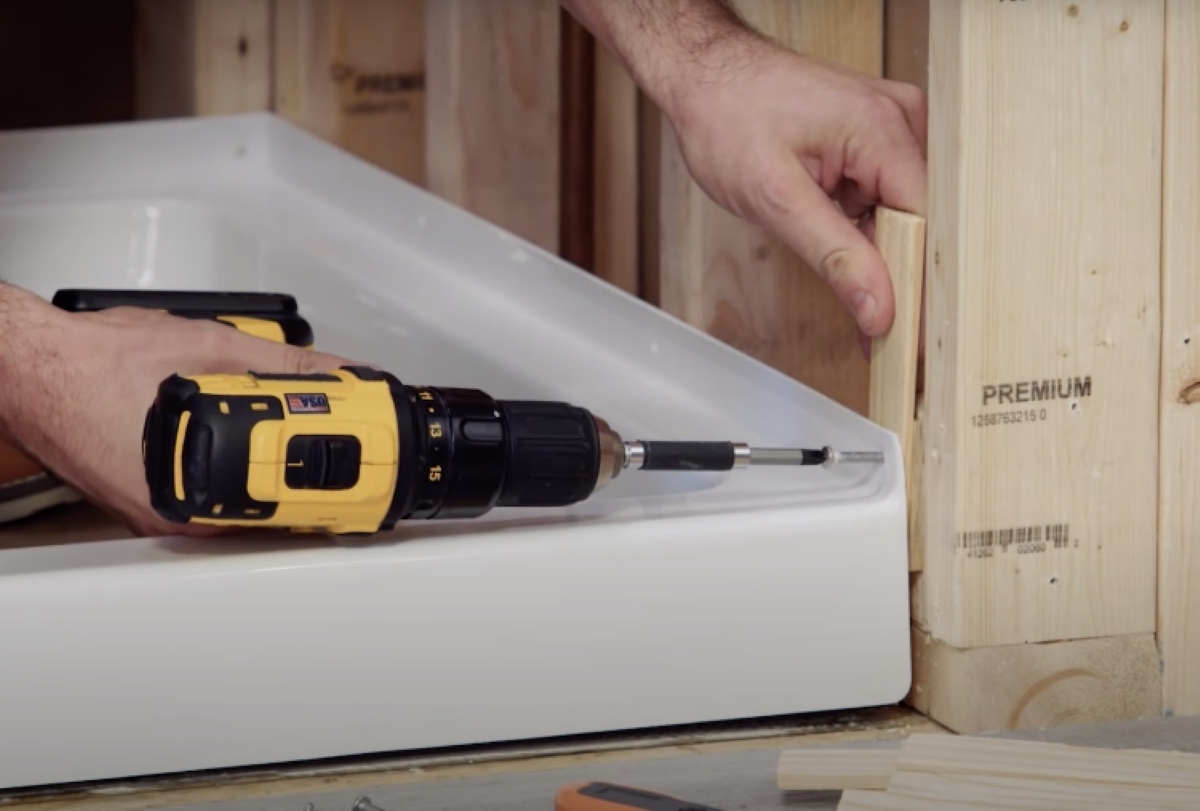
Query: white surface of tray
663	600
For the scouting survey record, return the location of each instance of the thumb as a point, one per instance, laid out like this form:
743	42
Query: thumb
808	221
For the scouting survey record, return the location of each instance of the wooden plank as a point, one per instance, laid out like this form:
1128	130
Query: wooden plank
835	769
493	112
866	800
1179	448
652	202
353	73
900	238
737	282
202	57
616	218
1033	686
906	42
579	131
1042	350
997	757
1045	794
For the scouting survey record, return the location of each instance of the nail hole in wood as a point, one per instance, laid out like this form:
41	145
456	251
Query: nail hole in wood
243	46
1073	10
1124	25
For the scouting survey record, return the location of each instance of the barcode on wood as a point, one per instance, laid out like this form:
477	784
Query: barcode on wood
1055	534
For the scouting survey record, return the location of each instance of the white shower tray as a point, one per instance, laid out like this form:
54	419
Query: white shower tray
664	600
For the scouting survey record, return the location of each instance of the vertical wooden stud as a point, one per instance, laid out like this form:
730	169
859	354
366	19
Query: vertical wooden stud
1043	297
1043	256
202	57
577	236
493	112
906	42
616	220
651	202
737	282
353	73
1179	467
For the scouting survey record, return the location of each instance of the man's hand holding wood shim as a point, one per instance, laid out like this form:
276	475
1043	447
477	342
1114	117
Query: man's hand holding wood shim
798	146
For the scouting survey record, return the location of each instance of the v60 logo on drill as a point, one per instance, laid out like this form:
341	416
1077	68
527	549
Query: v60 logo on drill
307	403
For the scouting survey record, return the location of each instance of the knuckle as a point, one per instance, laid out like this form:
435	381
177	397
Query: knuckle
909	95
300	361
213	340
770	195
887	112
836	266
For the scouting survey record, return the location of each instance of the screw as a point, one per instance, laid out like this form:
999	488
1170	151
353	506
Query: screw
833	457
365	804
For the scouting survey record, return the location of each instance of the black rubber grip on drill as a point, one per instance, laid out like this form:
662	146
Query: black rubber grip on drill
553	454
693	456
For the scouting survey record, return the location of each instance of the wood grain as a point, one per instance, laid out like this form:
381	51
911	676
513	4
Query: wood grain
900	238
578	142
1043	320
1033	686
1179	467
906	42
835	769
353	73
652	202
737	282
194	57
995	757
1057	792
493	112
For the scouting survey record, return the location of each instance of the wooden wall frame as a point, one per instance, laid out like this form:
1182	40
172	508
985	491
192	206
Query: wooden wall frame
1055	551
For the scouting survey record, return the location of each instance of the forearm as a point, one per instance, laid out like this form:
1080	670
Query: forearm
29	328
671	48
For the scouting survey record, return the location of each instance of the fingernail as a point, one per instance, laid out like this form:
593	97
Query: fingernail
864	306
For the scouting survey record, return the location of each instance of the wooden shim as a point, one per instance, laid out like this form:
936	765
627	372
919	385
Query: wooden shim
999	757
835	769
493	104
900	238
1043	320
202	57
1035	686
740	284
616	218
1045	794
1179	471
353	73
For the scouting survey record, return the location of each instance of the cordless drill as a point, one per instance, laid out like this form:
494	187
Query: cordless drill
353	451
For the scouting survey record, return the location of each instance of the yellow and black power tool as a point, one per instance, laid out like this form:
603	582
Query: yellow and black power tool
354	450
